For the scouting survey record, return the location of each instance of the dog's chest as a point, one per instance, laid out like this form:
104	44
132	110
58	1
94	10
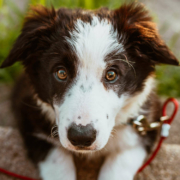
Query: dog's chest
87	168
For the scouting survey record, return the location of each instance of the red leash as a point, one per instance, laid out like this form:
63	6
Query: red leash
15	175
164	135
164	131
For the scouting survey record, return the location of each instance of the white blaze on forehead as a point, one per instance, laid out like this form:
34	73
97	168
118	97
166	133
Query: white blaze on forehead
93	41
90	102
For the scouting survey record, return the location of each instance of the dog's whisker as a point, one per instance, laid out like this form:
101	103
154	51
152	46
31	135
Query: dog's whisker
52	129
55	126
128	62
29	105
54	134
126	58
113	132
54	53
120	85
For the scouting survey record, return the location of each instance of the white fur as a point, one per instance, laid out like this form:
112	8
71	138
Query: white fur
92	42
123	138
123	165
58	165
132	106
46	109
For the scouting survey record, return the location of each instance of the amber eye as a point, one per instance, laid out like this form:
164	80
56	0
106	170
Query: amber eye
111	75
61	74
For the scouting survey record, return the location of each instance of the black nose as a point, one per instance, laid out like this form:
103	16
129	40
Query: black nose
81	135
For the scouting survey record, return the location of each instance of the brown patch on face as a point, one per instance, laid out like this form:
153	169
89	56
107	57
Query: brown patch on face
122	67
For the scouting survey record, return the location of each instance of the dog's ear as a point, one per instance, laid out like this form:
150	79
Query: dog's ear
31	38
137	31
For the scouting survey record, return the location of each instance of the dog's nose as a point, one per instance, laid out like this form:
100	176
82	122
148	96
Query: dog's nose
82	136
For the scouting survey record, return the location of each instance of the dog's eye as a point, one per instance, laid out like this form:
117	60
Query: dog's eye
111	75
61	74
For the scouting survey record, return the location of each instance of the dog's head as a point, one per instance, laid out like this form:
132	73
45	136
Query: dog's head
95	68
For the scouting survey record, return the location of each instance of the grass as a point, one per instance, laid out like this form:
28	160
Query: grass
168	80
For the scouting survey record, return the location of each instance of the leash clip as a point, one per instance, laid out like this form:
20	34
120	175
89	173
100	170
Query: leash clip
142	125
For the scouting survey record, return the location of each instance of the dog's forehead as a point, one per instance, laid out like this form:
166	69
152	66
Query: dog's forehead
93	41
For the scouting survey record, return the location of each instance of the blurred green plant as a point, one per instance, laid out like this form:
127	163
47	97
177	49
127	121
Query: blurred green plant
10	28
168	80
169	76
11	22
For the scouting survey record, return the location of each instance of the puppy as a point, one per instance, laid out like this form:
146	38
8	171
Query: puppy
87	74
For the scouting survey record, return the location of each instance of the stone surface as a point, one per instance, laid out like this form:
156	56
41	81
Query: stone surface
166	166
13	154
6	116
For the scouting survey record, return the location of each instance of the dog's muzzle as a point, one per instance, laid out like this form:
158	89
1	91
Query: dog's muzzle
81	136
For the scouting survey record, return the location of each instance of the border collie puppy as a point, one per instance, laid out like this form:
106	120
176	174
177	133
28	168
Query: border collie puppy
87	74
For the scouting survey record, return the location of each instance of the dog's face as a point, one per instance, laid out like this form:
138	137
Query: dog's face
94	68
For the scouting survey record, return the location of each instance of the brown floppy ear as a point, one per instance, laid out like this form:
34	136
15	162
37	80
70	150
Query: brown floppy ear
31	38
139	33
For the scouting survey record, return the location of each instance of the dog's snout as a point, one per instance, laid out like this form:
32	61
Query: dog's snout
82	136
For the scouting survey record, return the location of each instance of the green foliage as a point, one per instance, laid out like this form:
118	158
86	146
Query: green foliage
168	81
11	19
1	3
87	4
169	76
10	28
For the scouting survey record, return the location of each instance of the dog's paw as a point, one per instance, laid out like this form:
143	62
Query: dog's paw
58	165
112	175
124	165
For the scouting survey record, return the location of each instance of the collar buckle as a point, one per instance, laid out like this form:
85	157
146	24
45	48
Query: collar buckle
142	126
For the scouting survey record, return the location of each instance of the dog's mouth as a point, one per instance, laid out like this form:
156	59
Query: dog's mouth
82	149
